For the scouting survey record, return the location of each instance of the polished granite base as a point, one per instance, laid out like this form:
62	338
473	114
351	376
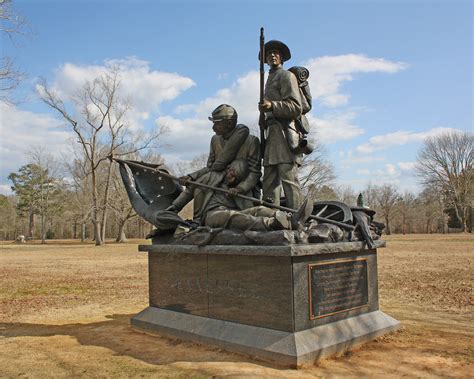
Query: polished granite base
287	304
284	348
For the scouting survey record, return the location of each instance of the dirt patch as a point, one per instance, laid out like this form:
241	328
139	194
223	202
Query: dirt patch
65	310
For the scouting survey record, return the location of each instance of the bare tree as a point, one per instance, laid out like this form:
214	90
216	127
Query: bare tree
315	171
346	194
433	210
120	204
446	163
9	217
370	196
406	208
11	23
184	168
387	197
80	202
101	132
10	77
121	207
324	193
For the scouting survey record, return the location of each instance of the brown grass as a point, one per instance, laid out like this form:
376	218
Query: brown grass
65	309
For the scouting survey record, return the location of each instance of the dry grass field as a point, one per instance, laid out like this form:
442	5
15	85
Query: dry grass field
65	310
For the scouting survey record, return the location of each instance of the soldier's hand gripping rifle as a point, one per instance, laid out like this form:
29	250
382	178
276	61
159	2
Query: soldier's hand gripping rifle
261	119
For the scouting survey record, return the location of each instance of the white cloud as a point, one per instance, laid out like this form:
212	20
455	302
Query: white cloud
23	130
387	174
390	172
384	141
145	88
407	166
350	159
364	171
335	127
328	73
243	95
185	138
391	169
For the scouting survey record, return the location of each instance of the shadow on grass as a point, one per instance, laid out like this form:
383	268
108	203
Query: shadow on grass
402	353
117	335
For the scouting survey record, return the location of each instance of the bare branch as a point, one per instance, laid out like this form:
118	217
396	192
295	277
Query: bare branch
11	23
315	171
446	162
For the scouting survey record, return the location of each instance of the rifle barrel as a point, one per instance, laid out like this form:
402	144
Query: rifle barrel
262	60
261	120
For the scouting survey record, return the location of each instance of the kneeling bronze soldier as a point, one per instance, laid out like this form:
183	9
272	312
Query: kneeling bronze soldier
231	141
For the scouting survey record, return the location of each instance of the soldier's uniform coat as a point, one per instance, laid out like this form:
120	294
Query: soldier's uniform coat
249	150
280	163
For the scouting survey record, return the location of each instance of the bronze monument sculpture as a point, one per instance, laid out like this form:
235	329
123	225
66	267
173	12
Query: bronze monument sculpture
288	279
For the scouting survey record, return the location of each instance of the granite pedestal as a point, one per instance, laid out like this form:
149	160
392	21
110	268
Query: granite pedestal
287	304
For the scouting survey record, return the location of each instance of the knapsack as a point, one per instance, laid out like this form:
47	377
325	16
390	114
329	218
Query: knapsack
302	75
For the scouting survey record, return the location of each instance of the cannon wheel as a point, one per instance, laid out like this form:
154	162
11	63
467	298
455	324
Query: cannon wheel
333	210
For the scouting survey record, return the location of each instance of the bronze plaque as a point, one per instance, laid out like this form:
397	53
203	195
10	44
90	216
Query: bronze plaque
337	287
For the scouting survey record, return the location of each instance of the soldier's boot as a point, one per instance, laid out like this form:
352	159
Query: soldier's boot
301	215
280	221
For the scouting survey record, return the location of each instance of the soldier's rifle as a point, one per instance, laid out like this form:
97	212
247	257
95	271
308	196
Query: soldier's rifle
252	199
261	119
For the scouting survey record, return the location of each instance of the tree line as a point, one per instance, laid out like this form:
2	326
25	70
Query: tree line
44	206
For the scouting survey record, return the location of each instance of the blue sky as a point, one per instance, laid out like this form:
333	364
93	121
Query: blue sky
384	74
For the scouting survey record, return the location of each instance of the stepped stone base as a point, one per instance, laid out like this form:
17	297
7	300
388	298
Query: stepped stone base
287	304
283	348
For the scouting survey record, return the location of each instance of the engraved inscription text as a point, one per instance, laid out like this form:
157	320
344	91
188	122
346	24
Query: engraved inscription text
337	287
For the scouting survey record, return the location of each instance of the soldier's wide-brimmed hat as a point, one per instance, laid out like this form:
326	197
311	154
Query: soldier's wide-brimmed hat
223	112
280	46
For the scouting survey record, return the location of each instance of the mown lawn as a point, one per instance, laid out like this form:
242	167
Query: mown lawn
65	310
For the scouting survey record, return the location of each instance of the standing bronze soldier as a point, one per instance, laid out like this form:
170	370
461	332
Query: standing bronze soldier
281	106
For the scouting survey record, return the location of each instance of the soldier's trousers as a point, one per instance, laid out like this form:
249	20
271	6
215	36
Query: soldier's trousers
255	218
282	175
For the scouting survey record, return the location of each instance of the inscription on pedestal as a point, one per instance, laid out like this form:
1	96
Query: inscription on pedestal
337	287
230	288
